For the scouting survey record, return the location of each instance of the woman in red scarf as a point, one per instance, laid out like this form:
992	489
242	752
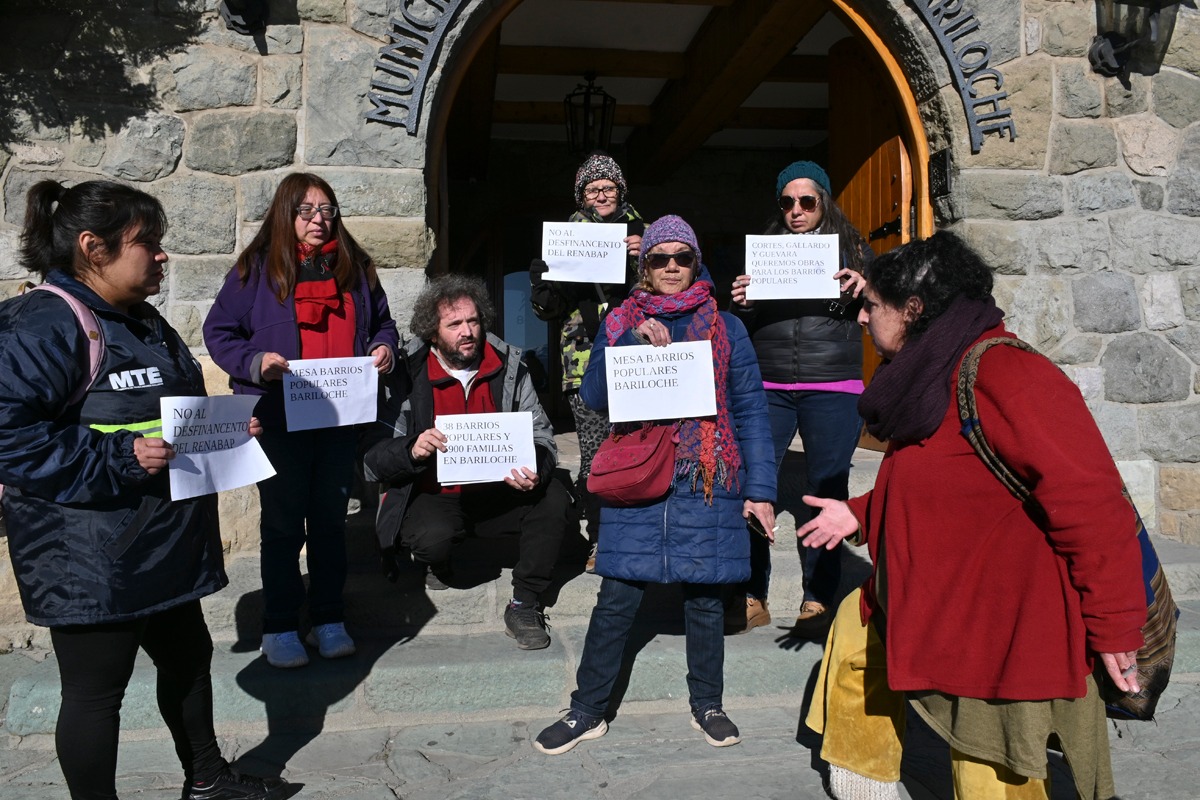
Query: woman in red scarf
697	534
303	288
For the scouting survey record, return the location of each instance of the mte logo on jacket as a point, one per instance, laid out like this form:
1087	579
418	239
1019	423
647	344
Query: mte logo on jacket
135	379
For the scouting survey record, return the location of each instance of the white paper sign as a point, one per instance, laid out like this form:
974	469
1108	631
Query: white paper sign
646	382
330	392
484	447
787	267
214	450
584	252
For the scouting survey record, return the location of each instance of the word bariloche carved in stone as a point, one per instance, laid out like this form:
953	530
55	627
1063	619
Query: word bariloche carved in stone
409	57
969	64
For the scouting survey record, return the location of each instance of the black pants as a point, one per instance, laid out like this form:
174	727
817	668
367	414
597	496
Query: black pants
96	662
304	507
435	523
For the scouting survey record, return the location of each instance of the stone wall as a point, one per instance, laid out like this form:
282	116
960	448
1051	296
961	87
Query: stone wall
1091	219
208	121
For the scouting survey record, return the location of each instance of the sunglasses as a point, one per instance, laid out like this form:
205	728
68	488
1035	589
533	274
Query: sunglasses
808	202
659	260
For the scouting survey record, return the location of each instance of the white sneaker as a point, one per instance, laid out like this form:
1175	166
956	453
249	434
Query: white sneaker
284	650
331	640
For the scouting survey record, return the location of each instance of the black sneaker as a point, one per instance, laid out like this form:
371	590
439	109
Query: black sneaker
719	730
437	577
570	731
526	624
232	785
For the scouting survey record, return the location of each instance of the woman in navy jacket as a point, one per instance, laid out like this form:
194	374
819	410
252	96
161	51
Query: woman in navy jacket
102	555
303	288
697	534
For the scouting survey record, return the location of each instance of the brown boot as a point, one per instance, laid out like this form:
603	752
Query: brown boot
757	613
813	622
739	620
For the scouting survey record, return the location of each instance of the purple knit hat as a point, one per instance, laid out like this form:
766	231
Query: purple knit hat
668	229
802	169
596	167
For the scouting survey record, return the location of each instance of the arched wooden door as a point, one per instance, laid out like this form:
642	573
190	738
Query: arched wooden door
868	164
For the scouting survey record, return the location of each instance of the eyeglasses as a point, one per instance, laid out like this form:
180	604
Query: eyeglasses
307	212
609	191
683	258
808	202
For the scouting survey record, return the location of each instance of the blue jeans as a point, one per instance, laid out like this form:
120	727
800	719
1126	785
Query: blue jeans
305	504
829	427
612	620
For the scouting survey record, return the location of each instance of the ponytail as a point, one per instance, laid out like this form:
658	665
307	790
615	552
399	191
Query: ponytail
38	252
50	236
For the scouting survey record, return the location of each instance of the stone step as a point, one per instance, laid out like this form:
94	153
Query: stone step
450	676
442	655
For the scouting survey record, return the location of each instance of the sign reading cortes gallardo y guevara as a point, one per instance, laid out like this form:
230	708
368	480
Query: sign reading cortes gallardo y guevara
980	85
405	63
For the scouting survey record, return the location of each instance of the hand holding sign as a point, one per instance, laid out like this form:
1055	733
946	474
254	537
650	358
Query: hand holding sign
428	442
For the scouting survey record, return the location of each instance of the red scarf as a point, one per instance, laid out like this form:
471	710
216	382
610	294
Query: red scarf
707	449
325	316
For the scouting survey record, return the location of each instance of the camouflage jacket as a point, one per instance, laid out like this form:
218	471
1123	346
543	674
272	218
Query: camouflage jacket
581	306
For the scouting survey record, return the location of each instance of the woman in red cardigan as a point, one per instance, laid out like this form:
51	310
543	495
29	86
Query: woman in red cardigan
984	618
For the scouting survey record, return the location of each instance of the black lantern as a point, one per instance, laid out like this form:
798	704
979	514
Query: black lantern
590	111
1125	28
247	17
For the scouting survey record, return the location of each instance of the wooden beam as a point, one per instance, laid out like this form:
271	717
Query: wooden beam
681	2
800	69
610	63
778	119
551	113
735	50
775	119
606	63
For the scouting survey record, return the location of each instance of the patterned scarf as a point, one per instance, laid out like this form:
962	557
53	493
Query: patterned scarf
909	395
707	449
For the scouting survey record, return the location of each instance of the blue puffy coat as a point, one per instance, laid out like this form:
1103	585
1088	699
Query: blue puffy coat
681	538
93	537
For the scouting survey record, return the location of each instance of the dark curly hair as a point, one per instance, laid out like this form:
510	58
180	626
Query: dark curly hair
935	271
447	289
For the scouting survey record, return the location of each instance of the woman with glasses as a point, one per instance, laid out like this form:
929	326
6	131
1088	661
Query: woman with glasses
696	535
810	354
303	288
601	195
101	554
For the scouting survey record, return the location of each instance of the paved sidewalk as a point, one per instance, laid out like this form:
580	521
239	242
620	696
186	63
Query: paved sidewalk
438	704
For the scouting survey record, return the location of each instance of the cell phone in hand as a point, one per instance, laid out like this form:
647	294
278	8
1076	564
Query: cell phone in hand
755	524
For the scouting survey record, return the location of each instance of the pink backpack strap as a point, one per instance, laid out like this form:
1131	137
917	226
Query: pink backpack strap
91	330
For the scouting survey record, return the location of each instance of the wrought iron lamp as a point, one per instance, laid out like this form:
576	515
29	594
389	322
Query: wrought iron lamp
590	112
246	17
1126	27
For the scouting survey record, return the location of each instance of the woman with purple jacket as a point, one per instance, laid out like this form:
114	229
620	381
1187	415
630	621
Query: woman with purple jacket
303	288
